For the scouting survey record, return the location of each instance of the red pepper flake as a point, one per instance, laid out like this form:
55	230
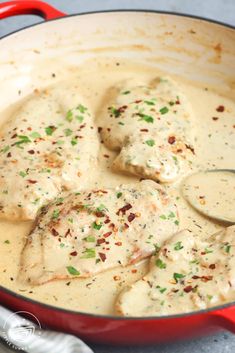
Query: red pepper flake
106	235
31	152
102	256
177	101
215	118
14	136
171	139
100	241
74	253
220	109
188	289
203	278
108	129
134	270
212	266
32	181
196	277
126	226
118	243
124	209
107	221
138	101
131	217
99	214
144	130
106	156
54	232
206	278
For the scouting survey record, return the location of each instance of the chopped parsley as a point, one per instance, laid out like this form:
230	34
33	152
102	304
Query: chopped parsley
101	208
35	135
149	102
90	239
160	264
5	149
118	194
22	139
73	271
69	116
55	214
178	276
227	248
146	118
68	132
208	251
81	108
161	289
115	112
74	141
49	130
96	226
126	92
88	253
164	110
150	143
178	246
22	174
7	241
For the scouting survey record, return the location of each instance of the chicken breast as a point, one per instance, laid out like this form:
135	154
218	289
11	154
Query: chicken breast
186	274
95	230
152	126
46	147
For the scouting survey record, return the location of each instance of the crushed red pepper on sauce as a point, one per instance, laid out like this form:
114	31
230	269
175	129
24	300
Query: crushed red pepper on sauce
220	109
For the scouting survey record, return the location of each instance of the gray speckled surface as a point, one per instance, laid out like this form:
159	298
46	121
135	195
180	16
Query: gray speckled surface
222	10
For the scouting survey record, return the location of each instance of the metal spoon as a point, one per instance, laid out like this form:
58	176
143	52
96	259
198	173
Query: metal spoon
212	193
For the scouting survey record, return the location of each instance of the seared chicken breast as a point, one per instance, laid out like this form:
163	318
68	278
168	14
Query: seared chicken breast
186	274
91	231
152	127
46	147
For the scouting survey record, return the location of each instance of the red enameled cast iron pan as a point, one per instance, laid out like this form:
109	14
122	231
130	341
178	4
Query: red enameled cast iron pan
196	49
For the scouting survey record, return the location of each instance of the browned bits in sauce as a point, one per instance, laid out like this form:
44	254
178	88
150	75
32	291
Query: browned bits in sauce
215	118
220	109
31	152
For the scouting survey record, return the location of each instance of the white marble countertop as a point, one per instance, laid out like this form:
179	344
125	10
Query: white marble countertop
221	10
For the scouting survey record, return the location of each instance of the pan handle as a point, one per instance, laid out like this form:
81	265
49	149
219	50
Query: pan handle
34	7
225	318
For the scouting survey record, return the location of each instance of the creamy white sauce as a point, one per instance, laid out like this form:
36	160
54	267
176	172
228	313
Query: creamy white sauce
215	149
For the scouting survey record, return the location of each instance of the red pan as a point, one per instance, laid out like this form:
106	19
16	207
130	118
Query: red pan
197	49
